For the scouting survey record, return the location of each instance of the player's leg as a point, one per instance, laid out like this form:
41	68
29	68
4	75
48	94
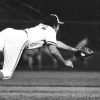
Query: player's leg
11	59
12	52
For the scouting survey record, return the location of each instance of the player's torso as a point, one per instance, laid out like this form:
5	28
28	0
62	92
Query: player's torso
36	36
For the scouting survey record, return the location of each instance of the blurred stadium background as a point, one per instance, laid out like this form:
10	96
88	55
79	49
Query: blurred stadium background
81	17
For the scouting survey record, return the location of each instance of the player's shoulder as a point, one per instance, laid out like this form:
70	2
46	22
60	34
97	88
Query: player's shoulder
46	27
50	30
8	29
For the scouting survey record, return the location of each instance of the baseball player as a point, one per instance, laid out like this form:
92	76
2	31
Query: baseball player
13	42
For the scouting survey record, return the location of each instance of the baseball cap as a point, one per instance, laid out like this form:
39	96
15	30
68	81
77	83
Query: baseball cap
58	21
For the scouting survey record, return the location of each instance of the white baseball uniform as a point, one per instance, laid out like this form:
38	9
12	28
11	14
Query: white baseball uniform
13	42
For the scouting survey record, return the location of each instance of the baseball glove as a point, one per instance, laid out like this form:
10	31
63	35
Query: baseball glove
83	53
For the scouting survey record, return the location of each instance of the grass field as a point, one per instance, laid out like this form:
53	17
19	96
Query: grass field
49	85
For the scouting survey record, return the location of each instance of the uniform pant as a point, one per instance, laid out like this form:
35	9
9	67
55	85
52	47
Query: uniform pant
12	43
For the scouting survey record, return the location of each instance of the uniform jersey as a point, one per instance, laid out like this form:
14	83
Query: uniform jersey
37	35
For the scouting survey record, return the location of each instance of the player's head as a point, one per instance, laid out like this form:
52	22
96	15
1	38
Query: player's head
53	20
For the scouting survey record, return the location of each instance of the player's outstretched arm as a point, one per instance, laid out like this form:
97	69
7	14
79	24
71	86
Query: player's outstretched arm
66	47
55	53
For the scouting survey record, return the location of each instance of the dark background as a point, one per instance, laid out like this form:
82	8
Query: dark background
68	10
80	16
81	19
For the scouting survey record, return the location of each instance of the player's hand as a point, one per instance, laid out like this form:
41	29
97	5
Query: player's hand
69	63
83	53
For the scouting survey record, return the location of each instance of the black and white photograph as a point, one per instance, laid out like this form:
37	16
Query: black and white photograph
49	50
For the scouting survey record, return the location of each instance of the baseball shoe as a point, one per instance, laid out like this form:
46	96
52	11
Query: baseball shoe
69	63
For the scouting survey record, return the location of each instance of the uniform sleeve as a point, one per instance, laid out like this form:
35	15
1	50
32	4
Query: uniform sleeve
50	36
